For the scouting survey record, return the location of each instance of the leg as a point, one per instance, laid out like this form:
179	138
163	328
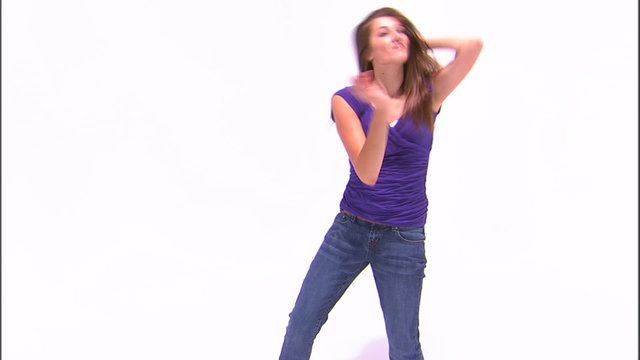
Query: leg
398	265
339	260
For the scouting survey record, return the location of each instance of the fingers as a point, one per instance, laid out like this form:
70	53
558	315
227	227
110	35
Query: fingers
366	75
364	79
362	85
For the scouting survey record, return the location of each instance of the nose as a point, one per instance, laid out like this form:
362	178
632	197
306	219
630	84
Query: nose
397	36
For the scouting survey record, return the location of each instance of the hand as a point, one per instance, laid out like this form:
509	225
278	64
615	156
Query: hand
367	89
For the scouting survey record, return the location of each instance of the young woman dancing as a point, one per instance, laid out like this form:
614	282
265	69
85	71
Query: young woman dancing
385	121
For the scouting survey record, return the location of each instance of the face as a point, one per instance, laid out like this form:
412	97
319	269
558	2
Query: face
388	41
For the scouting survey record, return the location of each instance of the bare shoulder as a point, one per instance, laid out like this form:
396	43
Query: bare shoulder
348	126
341	110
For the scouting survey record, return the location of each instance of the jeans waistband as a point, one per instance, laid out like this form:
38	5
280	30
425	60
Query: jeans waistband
358	219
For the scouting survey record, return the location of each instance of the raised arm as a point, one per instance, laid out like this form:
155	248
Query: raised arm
366	152
448	78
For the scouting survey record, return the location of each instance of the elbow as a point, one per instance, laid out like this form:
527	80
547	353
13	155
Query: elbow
368	175
476	44
369	183
368	180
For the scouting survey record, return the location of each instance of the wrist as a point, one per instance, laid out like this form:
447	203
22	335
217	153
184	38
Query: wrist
390	111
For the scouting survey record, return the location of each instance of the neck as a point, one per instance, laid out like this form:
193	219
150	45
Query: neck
390	78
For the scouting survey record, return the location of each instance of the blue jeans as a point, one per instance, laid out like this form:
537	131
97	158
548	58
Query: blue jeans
397	258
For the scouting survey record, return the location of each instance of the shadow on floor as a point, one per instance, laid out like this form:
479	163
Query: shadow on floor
377	349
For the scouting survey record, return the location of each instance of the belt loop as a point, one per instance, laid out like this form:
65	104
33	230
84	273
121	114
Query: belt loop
349	216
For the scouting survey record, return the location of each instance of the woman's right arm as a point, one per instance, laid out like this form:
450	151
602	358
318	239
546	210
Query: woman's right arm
366	152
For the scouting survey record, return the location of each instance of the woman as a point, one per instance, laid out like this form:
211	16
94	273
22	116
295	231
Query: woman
385	121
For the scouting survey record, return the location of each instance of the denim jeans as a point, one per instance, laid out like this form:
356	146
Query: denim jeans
397	258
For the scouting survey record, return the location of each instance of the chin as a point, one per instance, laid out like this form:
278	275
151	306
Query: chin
402	59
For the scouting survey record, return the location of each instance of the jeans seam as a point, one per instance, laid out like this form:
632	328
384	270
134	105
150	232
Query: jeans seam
334	299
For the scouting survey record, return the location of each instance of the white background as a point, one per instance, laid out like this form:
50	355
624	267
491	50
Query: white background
170	168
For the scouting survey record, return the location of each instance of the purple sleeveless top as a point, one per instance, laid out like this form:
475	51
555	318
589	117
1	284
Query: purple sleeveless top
399	196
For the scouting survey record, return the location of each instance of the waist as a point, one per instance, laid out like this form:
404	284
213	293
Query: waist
385	210
360	218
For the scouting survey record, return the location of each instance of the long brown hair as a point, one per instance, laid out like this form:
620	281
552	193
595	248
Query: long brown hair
418	69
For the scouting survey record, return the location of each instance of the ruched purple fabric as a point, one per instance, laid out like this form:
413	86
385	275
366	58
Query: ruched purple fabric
399	196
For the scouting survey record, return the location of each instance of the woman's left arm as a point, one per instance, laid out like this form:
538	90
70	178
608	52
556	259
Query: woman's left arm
448	78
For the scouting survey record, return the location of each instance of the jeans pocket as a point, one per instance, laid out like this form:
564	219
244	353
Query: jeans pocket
411	234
